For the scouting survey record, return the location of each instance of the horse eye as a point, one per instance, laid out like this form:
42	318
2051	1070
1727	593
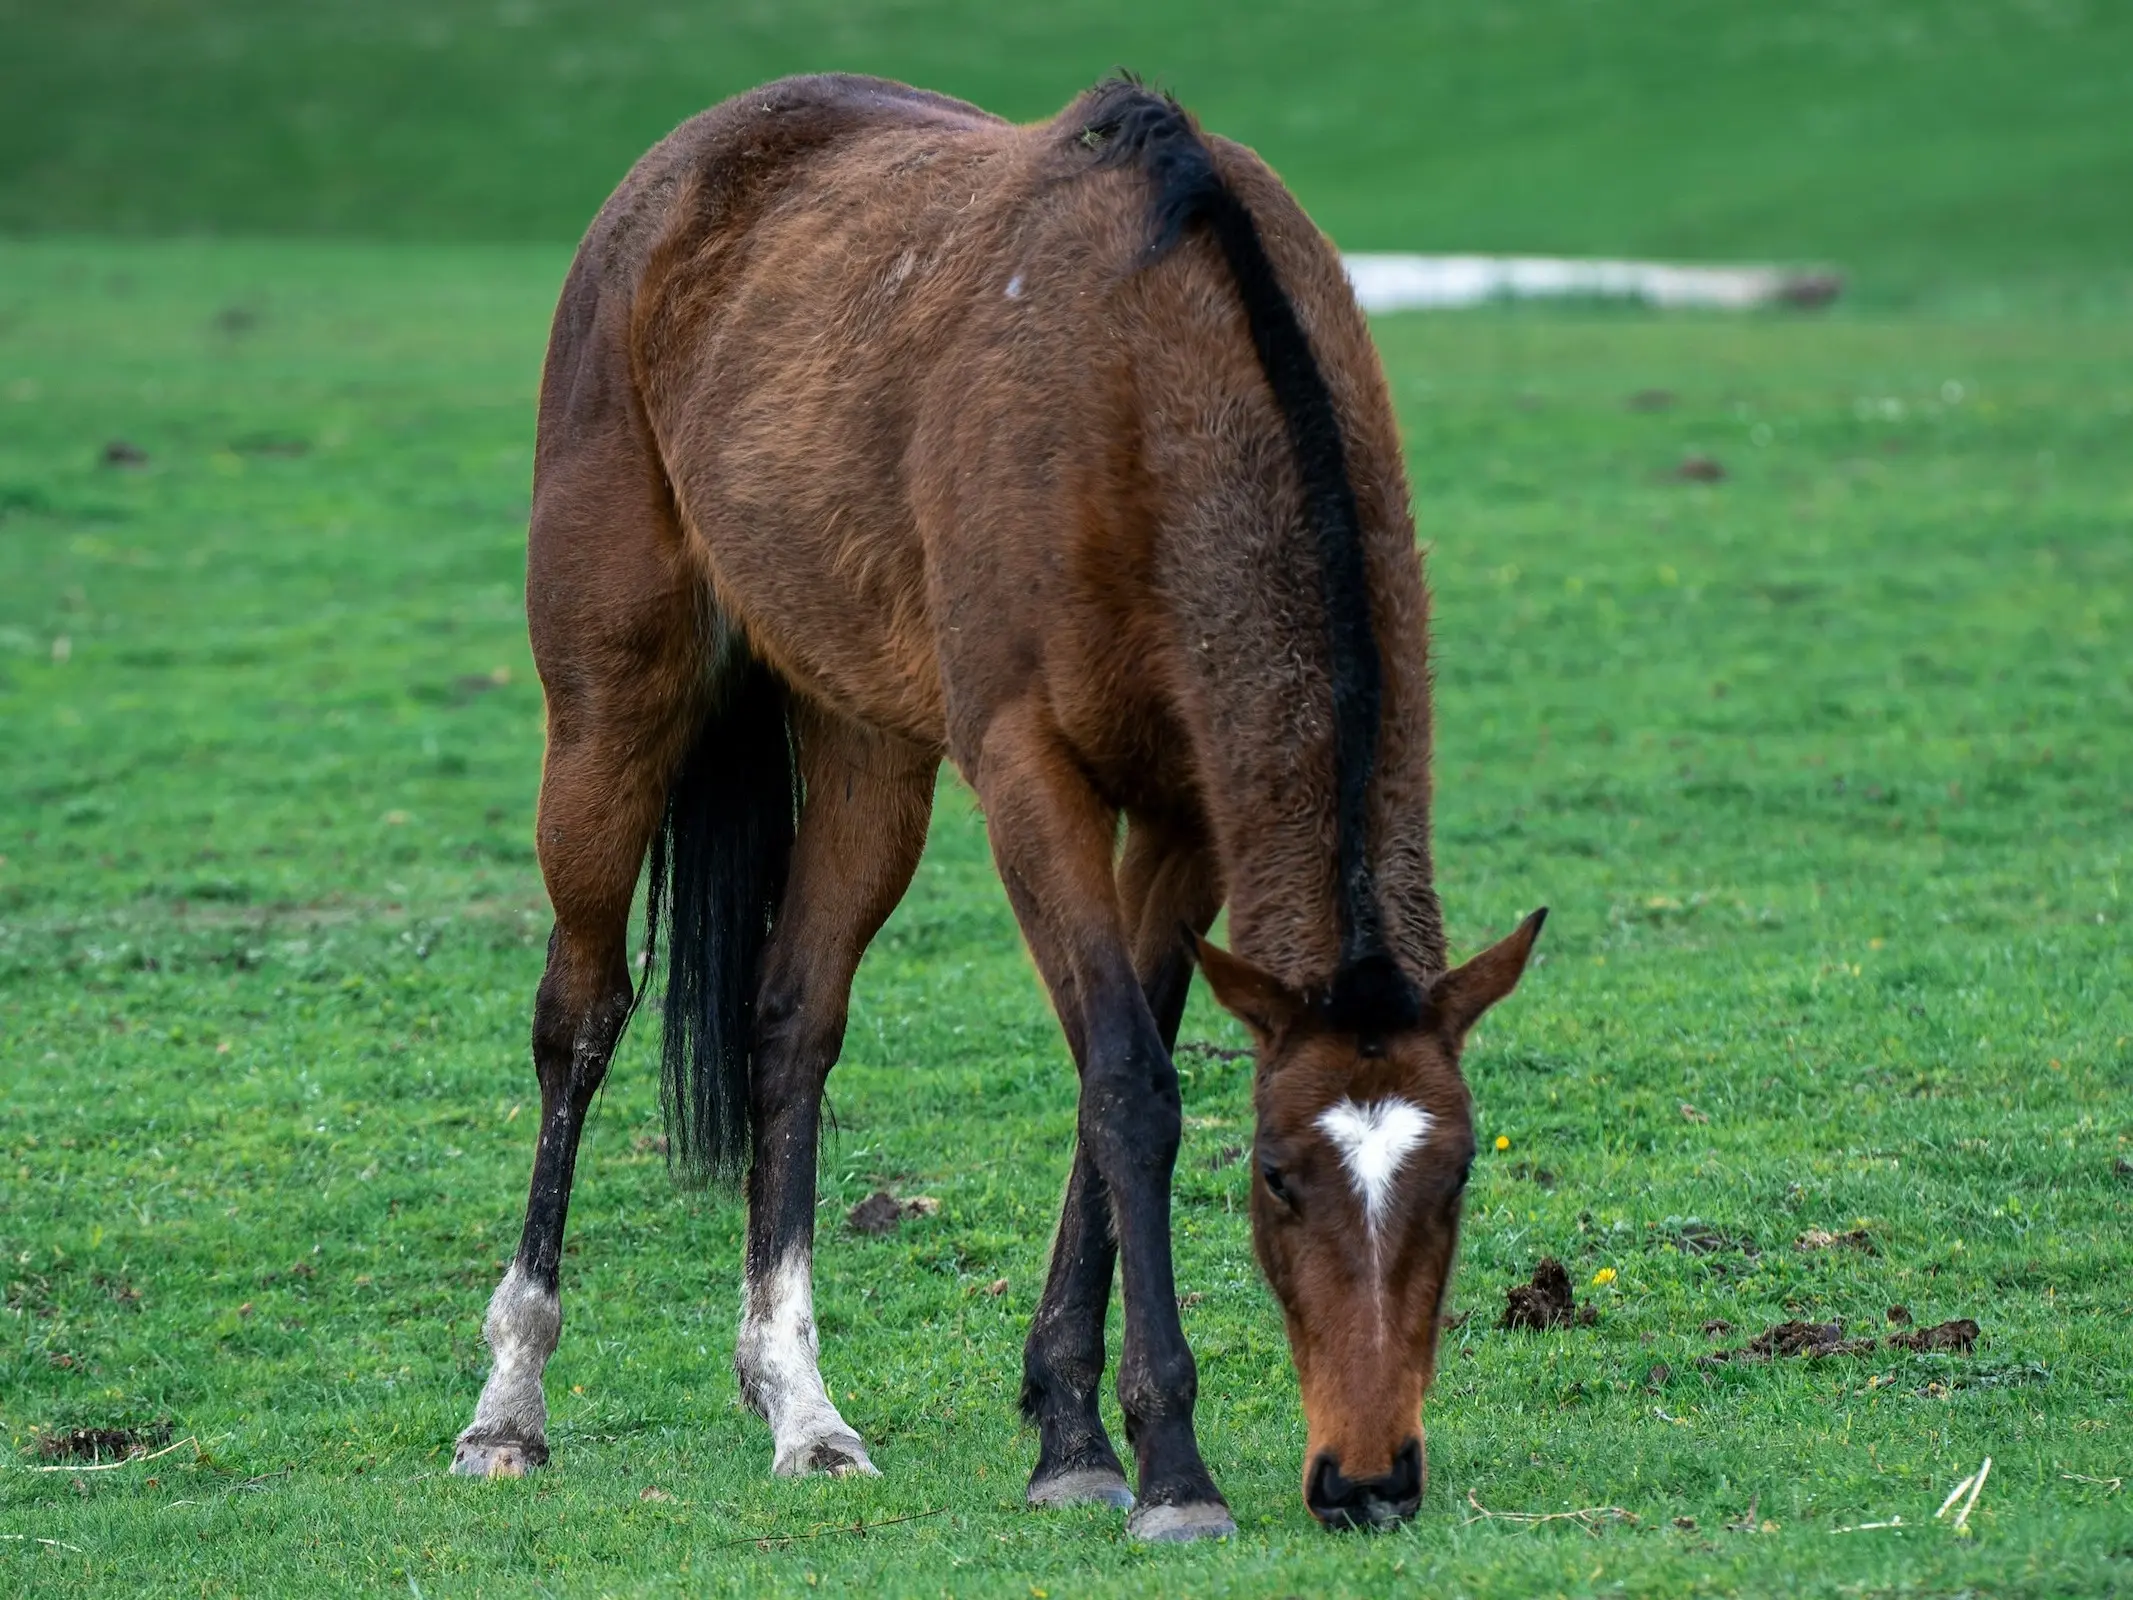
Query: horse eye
1275	1186
1465	1172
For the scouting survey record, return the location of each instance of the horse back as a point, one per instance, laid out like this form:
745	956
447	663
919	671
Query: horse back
940	435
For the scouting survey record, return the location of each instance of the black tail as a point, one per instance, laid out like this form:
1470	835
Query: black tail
1128	124
718	872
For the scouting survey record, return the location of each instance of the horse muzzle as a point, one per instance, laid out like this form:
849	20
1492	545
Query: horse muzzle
1342	1502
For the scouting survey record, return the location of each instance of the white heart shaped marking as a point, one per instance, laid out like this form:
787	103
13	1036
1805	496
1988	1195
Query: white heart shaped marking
1373	1141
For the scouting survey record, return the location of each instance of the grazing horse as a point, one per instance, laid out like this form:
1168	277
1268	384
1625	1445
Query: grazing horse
875	430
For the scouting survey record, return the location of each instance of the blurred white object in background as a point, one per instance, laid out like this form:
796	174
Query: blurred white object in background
1414	283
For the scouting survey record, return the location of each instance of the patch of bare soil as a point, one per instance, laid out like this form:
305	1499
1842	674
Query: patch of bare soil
102	1444
1545	1302
1701	469
1818	1339
881	1212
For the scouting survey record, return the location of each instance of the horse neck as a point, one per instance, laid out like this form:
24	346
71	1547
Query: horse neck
1266	764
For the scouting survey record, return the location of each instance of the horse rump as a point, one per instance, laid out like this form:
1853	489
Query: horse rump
718	869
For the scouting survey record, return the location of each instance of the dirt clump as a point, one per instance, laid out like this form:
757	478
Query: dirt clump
1701	469
1795	1339
1545	1302
1899	1316
102	1444
1959	1337
1817	1339
881	1212
1806	1339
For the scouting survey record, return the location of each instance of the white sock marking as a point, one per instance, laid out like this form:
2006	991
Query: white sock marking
775	1360
522	1327
1373	1141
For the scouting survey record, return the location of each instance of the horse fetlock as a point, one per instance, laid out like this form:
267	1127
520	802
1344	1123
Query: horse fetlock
509	1433
775	1361
1151	1393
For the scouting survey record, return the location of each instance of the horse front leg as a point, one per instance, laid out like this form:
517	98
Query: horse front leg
1051	836
1165	882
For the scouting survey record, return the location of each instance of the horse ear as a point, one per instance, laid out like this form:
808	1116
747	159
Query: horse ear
1460	996
1259	1000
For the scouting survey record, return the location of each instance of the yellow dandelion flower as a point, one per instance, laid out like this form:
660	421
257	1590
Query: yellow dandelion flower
1503	1141
1604	1275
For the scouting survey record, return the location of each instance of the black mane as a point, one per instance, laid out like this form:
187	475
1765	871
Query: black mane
1126	123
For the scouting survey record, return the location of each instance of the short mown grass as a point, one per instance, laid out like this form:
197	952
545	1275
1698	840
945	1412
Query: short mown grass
1824	768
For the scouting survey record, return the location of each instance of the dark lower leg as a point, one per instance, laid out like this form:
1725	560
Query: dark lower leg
1130	1122
1063	1362
1053	838
573	1041
1163	887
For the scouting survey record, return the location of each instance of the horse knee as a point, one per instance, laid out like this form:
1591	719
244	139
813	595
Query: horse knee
1128	1121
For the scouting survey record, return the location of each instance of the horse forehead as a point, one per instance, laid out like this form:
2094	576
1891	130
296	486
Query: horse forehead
1374	1139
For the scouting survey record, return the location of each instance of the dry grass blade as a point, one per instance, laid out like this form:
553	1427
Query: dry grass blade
1589	1518
1974	1485
1977	1488
2107	1485
56	1544
113	1466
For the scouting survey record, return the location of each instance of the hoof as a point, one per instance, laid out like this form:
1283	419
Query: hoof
1181	1524
835	1455
497	1458
1085	1486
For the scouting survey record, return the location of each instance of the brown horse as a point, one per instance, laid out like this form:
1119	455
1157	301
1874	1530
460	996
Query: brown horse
876	430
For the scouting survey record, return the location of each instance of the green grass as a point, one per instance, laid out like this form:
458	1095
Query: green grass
1909	140
1824	769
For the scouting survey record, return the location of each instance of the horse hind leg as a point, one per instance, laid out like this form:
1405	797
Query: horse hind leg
601	796
862	830
618	636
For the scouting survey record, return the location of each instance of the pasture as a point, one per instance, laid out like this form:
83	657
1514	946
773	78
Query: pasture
1822	757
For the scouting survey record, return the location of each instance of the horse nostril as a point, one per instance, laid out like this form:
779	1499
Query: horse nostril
1342	1502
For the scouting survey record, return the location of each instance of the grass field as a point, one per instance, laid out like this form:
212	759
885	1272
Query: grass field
1913	141
1825	768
